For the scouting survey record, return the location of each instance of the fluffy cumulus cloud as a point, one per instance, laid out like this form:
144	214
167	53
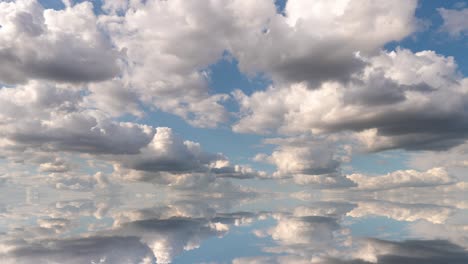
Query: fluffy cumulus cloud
308	161
41	121
38	43
400	100
171	44
165	64
168	158
318	41
169	153
297	157
51	117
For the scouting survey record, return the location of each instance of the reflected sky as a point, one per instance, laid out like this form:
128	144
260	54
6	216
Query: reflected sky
182	227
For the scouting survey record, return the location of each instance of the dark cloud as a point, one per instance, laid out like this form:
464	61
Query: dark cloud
79	132
325	62
81	250
377	91
413	252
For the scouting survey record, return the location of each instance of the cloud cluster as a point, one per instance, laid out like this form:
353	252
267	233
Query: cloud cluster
317	41
168	45
39	121
170	160
332	86
400	100
169	73
51	117
38	43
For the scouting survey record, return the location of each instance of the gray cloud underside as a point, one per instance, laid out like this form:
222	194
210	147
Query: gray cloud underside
413	251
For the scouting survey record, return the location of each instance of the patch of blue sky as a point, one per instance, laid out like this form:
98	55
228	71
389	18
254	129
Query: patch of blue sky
225	77
380	227
52	4
280	5
378	163
273	204
83	165
59	5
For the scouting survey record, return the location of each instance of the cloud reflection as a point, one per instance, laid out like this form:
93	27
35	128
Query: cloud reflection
165	227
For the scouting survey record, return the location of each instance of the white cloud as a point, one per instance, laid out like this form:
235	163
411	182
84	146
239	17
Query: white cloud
307	156
308	161
317	41
169	153
454	160
403	212
401	100
455	21
168	159
167	53
41	121
43	44
50	117
402	178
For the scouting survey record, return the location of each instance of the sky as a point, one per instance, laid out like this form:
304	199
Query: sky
219	97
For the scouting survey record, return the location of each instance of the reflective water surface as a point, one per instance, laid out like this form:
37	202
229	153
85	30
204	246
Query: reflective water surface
166	226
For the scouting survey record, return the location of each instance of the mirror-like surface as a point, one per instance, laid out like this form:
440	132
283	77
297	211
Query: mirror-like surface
39	225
